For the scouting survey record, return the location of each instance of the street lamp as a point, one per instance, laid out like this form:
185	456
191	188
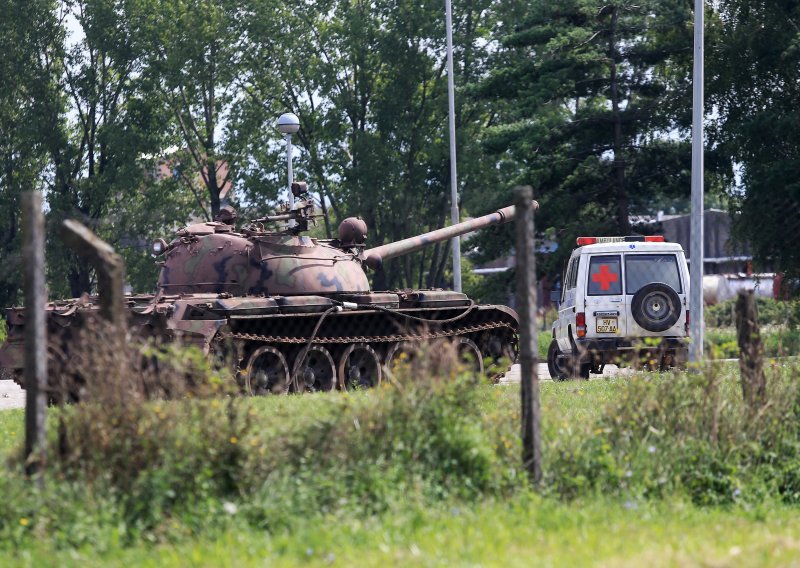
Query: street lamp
454	215
289	124
697	323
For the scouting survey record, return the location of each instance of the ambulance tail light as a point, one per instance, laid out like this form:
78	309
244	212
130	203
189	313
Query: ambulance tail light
580	324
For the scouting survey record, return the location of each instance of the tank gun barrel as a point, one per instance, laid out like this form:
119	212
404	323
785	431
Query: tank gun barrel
282	217
375	256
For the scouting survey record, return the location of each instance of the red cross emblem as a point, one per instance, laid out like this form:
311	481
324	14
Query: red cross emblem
605	277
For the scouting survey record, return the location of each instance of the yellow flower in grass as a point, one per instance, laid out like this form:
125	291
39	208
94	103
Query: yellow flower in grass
234	440
24	521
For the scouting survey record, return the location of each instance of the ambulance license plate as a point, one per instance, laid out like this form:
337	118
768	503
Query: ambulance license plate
607	325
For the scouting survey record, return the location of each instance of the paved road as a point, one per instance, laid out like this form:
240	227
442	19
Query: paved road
11	396
541	370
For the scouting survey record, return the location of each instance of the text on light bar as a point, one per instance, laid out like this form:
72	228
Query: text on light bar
583	241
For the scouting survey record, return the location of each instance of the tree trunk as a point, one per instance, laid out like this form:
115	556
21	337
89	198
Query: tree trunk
80	277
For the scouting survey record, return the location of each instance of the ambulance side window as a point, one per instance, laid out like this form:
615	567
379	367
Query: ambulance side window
571	279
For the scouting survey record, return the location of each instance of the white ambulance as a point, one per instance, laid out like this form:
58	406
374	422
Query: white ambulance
624	300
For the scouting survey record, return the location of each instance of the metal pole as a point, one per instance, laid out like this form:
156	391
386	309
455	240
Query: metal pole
35	332
289	162
451	106
697	327
528	334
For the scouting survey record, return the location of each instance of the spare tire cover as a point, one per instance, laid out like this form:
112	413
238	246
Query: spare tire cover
656	307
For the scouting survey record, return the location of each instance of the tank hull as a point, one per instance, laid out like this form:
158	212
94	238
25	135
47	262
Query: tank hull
299	343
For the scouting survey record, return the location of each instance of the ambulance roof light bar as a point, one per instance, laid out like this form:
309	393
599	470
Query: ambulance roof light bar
583	241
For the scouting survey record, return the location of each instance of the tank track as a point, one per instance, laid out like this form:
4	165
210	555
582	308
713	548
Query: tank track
327	357
367	338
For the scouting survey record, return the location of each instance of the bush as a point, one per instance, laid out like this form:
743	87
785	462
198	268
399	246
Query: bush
770	313
687	434
722	343
420	438
123	468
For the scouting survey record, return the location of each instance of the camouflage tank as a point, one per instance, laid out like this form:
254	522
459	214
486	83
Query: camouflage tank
294	313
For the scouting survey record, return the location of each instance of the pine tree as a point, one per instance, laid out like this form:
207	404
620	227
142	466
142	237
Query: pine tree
595	105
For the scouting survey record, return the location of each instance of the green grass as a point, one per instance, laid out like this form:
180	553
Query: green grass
526	531
522	534
12	430
613	519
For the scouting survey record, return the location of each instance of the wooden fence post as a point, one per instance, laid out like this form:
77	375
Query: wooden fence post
35	332
110	270
751	356
526	308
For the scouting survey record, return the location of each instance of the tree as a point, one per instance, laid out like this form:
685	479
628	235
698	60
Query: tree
190	52
594	110
368	81
29	36
99	126
755	85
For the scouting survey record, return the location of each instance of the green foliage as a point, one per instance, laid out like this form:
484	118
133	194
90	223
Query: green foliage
588	93
770	313
756	130
29	33
396	457
687	434
777	342
491	288
3	330
422	442
722	343
369	87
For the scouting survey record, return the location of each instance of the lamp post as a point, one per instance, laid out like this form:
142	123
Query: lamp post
696	329
454	215
289	124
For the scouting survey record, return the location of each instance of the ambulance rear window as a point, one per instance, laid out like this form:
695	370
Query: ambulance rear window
642	269
604	276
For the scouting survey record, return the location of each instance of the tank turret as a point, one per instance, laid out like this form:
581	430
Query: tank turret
213	258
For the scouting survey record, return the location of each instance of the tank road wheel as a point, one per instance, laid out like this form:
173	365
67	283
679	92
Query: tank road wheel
317	372
470	356
359	367
266	373
225	354
400	353
501	350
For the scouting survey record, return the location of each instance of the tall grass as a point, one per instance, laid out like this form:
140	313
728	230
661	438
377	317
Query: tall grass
139	465
687	434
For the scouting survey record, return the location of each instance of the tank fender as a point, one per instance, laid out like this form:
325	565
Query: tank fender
12	355
196	332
